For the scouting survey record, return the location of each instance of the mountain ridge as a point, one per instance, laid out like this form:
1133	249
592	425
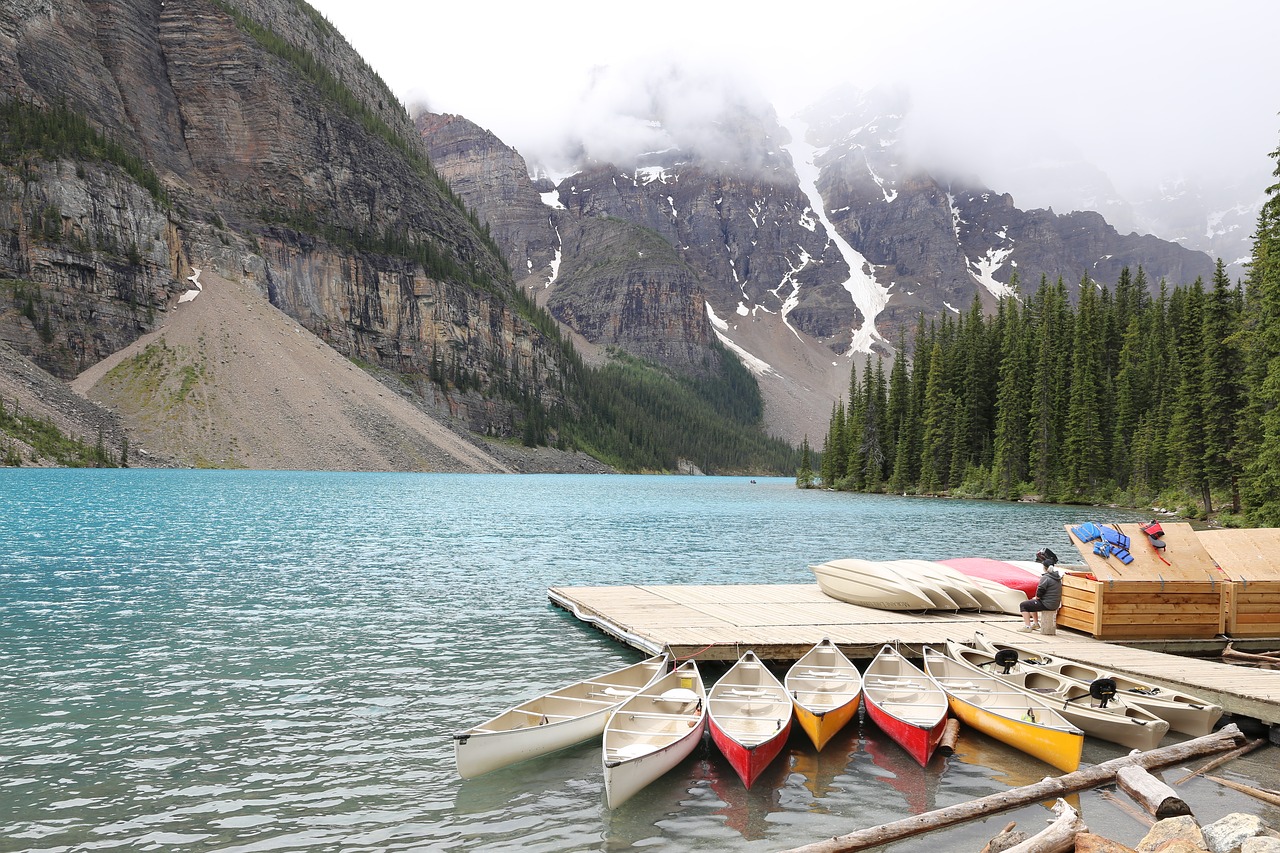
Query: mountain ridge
410	245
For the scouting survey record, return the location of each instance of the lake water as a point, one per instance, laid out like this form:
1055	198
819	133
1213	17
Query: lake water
252	661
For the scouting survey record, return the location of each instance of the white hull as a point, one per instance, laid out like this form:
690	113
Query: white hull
913	585
1185	713
1117	721
652	732
550	722
868	584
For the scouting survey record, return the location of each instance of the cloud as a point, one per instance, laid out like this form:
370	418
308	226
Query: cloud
1143	90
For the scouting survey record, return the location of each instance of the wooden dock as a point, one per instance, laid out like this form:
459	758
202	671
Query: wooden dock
782	622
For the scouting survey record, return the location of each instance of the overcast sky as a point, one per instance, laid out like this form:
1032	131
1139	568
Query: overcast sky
1141	89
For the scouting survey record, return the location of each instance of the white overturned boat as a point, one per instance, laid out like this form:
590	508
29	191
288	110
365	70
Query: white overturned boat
550	722
653	731
870	584
913	585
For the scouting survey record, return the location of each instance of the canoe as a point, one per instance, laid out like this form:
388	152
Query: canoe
905	703
986	595
869	584
932	579
998	709
999	571
749	714
552	721
653	731
1183	711
1097	712
826	690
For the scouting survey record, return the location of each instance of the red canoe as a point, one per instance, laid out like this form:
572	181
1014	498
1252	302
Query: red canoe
1014	577
749	713
905	703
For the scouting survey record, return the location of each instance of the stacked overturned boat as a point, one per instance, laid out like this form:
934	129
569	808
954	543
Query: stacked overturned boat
969	583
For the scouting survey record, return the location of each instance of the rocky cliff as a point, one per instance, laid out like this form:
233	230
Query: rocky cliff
245	138
809	245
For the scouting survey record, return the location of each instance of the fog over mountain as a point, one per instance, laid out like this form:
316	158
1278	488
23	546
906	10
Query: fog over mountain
1156	115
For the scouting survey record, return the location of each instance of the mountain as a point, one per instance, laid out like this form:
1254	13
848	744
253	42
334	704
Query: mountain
142	141
246	139
806	246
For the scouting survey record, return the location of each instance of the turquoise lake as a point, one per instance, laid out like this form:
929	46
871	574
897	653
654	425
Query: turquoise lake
275	661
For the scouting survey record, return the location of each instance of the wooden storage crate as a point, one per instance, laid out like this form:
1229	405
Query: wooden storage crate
1177	592
1251	559
1253	609
1142	609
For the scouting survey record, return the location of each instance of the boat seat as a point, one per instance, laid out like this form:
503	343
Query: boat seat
677	694
632	750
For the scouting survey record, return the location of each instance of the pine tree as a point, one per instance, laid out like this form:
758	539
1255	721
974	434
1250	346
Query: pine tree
804	476
1083	444
1013	405
1260	430
1187	447
1223	396
937	424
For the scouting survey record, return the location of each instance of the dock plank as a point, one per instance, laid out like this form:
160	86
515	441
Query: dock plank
780	622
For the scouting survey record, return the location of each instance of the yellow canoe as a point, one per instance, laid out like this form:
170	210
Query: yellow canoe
825	689
999	710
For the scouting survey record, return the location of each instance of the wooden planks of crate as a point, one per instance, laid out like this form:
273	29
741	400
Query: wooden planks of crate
1142	609
1251	559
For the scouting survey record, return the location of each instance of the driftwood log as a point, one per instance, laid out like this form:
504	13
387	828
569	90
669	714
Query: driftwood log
1226	738
1150	793
950	734
1223	759
1264	794
1059	837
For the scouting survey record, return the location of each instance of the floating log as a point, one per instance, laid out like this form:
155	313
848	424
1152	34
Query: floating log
1008	827
1150	793
1226	738
1233	651
1264	794
1223	759
1229	655
1128	808
1060	837
950	734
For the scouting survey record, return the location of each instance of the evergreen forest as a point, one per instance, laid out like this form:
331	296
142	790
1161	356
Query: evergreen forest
1138	395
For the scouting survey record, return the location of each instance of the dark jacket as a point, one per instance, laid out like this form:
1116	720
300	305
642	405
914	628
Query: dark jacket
1049	590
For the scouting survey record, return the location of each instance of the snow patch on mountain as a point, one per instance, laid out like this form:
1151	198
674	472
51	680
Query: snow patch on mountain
867	294
984	271
758	366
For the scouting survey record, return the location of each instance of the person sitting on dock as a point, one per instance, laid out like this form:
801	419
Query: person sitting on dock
1048	592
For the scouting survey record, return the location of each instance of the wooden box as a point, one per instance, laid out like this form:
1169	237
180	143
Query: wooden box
1251	558
1142	609
1253	609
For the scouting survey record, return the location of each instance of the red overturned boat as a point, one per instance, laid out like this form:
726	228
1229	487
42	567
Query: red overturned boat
905	703
749	713
1009	574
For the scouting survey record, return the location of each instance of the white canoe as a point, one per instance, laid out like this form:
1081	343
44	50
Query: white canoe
870	584
944	591
1107	717
552	721
992	597
653	731
1184	712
